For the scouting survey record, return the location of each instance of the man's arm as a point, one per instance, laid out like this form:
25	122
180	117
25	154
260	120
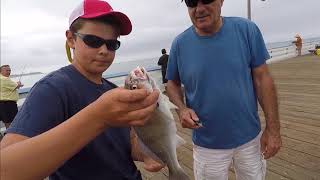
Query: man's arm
267	97
40	156
175	93
186	115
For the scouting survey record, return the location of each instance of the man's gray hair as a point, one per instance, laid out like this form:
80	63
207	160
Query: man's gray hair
6	65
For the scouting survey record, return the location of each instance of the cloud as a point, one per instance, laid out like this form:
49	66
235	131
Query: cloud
32	32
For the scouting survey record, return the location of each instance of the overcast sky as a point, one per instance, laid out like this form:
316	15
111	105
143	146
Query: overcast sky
33	31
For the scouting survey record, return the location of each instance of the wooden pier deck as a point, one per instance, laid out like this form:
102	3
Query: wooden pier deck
298	85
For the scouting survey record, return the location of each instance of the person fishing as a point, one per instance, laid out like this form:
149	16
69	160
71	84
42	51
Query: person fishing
298	44
74	124
163	61
8	96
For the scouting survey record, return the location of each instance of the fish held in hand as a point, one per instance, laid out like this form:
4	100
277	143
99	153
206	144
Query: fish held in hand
158	137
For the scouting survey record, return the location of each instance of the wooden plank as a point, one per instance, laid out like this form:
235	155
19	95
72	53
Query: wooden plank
306	121
288	116
300	159
289	170
300	108
300	127
301	136
274	176
301	146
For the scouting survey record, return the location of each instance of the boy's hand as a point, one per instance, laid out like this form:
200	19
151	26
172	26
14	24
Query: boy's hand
152	165
122	107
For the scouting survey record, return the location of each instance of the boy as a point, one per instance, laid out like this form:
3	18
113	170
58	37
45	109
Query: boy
75	124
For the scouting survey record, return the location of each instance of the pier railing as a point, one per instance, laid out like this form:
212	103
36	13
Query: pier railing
277	54
289	51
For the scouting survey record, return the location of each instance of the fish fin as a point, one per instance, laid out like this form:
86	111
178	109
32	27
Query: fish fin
179	141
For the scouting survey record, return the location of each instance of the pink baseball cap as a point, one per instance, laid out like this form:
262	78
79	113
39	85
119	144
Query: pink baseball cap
88	9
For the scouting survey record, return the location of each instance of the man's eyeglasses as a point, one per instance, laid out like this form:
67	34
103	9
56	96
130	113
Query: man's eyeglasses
194	3
96	42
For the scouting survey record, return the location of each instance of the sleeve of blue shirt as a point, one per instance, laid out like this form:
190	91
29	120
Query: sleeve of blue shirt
259	52
42	110
172	68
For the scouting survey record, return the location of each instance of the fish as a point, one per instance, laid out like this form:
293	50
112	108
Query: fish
158	137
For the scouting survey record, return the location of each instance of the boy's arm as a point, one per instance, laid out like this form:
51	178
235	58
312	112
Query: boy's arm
40	156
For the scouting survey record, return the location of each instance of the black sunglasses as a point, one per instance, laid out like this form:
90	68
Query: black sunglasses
96	42
194	3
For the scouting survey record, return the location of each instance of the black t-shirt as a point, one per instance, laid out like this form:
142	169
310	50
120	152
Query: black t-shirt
163	61
57	97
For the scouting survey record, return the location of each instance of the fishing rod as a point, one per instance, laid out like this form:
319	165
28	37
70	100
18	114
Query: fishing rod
20	76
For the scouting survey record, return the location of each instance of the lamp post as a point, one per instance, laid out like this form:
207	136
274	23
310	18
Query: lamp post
249	8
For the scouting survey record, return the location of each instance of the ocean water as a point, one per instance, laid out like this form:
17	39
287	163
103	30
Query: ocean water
116	69
122	68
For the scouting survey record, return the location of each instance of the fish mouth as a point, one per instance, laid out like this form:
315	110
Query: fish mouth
139	73
133	87
137	76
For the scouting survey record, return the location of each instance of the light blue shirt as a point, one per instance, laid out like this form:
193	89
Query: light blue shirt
216	73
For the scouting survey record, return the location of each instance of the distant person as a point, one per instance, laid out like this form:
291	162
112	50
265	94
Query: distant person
298	43
222	91
318	52
8	96
163	61
75	124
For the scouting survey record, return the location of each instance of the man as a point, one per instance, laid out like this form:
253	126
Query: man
221	89
163	61
298	43
8	96
74	124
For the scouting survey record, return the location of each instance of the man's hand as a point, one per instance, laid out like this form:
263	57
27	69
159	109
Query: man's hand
188	118
122	107
270	143
19	85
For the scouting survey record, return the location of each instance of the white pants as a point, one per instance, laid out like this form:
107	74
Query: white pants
213	164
